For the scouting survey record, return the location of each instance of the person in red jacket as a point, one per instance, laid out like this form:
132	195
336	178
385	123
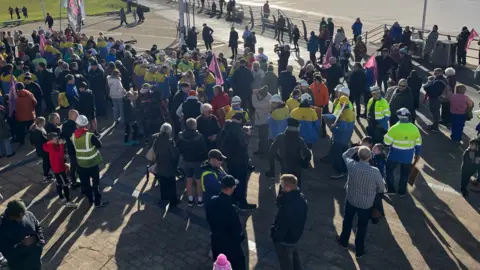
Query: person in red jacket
220	104
56	150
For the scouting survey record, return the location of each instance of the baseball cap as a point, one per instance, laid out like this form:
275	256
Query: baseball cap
229	181
216	154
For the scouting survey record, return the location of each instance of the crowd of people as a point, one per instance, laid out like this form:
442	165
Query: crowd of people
195	111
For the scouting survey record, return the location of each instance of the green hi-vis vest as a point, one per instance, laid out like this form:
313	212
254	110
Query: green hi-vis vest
87	154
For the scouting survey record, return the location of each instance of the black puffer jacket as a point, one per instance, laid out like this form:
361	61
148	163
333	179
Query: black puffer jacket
38	138
399	100
290	219
166	154
191	145
233	143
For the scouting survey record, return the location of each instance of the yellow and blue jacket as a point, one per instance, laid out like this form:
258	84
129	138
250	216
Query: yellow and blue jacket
277	121
342	131
405	140
292	103
21	78
102	49
309	122
208	84
233	111
50	54
139	74
162	84
149	78
64	46
5	78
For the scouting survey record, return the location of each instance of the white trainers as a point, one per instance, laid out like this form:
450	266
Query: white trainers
61	201
71	205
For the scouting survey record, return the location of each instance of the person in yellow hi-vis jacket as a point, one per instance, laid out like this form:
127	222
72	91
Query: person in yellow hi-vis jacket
86	146
378	114
405	143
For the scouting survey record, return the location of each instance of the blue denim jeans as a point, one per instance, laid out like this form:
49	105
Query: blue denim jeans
404	172
117	108
7	146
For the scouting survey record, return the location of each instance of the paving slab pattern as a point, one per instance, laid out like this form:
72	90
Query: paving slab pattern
431	228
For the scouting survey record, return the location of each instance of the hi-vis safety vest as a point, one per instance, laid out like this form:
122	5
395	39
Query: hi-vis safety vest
207	172
382	108
403	136
87	154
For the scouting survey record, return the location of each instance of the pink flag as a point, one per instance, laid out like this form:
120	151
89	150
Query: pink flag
471	37
215	68
328	55
12	96
371	64
43	42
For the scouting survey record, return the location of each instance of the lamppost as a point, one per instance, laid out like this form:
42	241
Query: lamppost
424	15
181	14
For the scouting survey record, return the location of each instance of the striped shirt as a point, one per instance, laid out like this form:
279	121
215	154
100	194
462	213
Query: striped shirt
364	181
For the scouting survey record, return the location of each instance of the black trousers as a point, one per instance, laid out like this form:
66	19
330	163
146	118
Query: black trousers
280	34
73	167
63	189
22	127
263	145
91	188
208	45
133	126
313	57
240	173
45	164
48	102
445	112
363	218
461	56
356	99
288	257
168	189
382	79
234	52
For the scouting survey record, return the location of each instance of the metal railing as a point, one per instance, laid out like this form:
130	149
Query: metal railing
376	34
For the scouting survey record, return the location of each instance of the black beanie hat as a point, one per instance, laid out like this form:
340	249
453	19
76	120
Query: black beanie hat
291	122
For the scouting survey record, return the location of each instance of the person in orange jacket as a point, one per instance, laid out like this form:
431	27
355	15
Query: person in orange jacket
320	98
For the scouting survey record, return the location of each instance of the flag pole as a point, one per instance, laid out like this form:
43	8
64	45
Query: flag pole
60	16
43	9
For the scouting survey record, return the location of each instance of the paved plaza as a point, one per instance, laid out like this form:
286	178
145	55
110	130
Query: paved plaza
431	228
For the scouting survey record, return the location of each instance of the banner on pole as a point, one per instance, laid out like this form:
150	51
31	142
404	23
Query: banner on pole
74	15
